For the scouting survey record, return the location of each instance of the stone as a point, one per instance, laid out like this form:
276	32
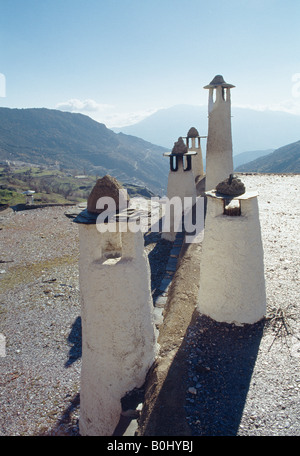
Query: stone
161	301
192	133
130	413
179	147
192	390
158	315
232	186
107	186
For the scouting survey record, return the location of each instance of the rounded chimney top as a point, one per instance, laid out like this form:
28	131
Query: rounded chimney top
106	186
192	133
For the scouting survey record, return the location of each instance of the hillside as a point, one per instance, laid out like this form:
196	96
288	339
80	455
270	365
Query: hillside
74	142
51	186
251	129
246	157
286	159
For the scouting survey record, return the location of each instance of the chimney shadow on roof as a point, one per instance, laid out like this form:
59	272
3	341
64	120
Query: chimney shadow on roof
222	358
75	341
217	360
158	258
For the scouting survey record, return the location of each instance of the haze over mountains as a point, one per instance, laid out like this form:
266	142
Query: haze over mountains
252	130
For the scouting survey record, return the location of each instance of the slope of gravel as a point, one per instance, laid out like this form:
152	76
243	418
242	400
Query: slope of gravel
216	379
239	380
40	319
246	380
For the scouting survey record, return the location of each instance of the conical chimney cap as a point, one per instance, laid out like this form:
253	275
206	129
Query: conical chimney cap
218	81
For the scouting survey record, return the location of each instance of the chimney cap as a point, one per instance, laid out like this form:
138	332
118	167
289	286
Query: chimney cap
193	133
106	186
232	186
180	149
217	81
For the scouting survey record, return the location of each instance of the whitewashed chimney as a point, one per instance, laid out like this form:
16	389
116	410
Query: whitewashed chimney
219	162
193	142
181	184
232	281
119	340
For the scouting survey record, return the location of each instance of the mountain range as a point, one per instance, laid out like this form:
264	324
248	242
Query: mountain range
249	156
252	130
77	143
286	159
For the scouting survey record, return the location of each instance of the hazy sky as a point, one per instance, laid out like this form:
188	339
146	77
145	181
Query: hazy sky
116	60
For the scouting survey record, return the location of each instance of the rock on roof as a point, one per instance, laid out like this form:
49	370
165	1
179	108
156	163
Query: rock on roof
179	147
106	186
192	133
231	186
